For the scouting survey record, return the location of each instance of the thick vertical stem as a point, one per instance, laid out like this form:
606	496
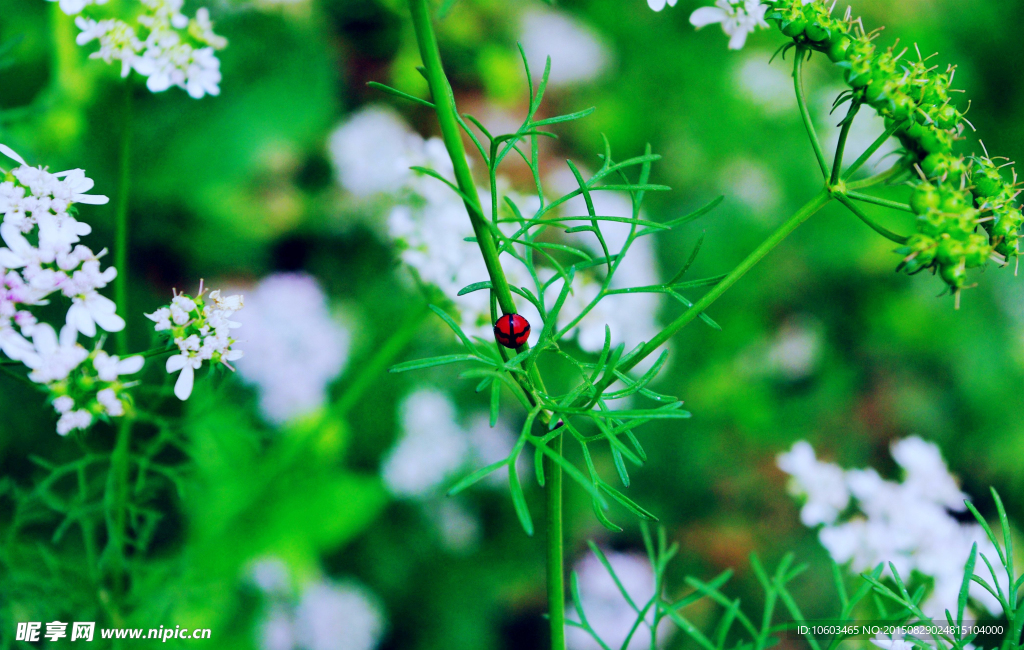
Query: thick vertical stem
121	221
447	116
555	548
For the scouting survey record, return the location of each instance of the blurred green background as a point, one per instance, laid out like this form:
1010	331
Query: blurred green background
822	341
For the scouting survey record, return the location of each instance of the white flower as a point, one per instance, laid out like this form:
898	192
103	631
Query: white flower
431	448
337	617
91	309
604	606
327	615
63	404
110	367
296	346
162	318
822	484
200	331
53	359
577	54
907	524
187	365
926	472
737	17
658	5
372	152
72	420
887	643
110	402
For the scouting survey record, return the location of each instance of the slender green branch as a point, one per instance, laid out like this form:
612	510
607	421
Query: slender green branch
867	198
447	117
121	219
372	369
818	202
893	172
888	234
804	114
837	164
870	151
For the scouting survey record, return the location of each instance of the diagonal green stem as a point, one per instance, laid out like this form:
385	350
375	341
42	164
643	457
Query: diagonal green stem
881	230
818	202
804	114
870	151
837	164
885	203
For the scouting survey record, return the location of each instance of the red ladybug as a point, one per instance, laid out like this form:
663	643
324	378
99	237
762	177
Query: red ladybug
512	330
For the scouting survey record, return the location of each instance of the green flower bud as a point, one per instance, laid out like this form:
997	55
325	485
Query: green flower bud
955	276
838	47
924	198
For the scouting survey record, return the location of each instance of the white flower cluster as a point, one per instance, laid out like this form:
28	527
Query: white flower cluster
201	330
739	18
606	610
168	48
433	446
430	223
37	206
325	616
908	524
297	347
372	153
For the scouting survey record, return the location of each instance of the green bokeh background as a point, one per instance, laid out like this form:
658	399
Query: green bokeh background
238	186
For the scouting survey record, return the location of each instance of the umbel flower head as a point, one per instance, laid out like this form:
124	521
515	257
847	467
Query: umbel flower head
166	47
200	328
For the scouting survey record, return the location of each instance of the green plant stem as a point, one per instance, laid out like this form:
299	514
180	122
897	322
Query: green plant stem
804	114
121	220
555	547
879	178
881	230
820	200
885	203
372	369
870	151
844	133
448	119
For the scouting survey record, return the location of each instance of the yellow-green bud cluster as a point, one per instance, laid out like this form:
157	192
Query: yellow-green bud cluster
966	207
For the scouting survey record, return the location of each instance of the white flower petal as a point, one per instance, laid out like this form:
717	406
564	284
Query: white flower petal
10	153
130	366
183	387
706	16
176	363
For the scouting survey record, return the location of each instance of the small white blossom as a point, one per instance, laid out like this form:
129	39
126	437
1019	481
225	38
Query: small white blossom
72	420
432	446
658	5
822	484
53	358
297	347
577	53
907	524
738	18
326	615
168	49
201	331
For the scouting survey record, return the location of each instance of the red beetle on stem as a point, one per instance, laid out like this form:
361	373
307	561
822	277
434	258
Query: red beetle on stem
512	330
